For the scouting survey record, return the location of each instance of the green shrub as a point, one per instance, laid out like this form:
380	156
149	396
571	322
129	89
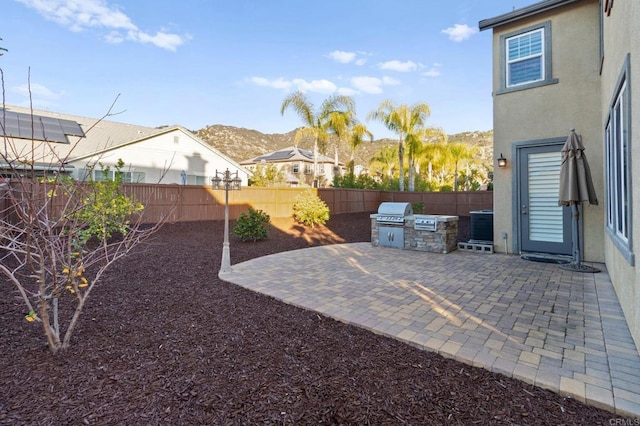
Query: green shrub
310	209
362	181
252	226
418	208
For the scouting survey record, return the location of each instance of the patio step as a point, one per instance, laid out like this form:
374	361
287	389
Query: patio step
476	247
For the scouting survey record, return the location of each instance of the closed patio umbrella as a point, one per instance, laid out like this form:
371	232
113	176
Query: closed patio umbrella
576	188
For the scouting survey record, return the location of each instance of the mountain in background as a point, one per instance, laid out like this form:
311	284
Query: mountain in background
241	144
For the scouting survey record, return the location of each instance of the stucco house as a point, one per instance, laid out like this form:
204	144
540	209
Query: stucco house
74	144
561	65
297	165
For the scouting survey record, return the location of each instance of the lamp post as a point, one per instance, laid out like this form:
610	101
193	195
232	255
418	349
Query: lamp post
230	182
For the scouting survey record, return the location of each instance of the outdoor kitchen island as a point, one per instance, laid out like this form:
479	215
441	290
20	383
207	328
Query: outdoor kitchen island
396	226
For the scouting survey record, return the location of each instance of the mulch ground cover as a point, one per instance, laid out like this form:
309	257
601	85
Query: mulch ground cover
164	341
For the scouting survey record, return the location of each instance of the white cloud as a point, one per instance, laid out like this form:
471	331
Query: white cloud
348	57
347	91
114	37
388	81
79	15
460	32
276	84
434	71
399	66
372	85
160	39
37	90
39	96
342	56
314	86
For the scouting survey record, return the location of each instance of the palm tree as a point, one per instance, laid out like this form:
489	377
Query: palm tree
339	123
458	152
416	145
315	122
385	160
358	133
406	121
347	129
432	153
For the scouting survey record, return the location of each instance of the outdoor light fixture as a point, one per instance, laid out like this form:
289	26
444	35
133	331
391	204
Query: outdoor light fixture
502	162
229	182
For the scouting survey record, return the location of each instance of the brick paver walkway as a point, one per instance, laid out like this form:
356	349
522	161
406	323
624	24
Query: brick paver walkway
557	329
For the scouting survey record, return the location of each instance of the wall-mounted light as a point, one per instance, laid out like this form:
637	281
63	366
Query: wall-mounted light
502	162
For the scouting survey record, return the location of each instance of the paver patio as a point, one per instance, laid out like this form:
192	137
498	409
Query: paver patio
557	329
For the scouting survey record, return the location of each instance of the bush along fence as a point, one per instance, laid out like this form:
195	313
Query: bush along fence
177	203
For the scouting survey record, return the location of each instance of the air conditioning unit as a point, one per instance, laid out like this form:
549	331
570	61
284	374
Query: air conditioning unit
481	227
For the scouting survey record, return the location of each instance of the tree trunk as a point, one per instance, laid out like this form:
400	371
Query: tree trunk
53	339
455	178
412	174
74	321
401	164
315	163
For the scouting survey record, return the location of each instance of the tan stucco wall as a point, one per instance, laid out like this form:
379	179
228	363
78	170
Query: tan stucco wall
550	111
621	39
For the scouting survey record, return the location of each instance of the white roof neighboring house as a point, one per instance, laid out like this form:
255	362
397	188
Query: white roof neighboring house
167	154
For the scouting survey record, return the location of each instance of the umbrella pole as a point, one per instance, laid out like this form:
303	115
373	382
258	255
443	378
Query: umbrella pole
575	229
577	265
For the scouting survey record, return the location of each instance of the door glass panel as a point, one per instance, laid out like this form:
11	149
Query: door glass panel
545	216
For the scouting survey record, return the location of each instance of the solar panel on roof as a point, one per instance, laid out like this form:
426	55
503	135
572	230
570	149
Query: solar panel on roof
37	127
53	135
279	155
306	153
71	128
49	120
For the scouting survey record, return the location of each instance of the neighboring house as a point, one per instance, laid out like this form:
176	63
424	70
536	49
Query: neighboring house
562	64
297	165
168	154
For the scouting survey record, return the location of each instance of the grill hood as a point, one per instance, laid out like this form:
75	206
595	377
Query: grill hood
395	209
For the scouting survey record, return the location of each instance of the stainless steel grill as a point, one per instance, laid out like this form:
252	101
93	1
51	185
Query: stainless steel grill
425	222
393	213
390	220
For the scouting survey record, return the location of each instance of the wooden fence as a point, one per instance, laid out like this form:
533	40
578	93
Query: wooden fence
194	203
178	203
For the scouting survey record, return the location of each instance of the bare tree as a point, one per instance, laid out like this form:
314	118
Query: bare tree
59	236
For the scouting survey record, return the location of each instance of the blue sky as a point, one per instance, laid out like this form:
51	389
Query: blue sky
201	62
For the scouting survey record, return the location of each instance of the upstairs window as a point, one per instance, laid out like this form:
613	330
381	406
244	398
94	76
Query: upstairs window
525	60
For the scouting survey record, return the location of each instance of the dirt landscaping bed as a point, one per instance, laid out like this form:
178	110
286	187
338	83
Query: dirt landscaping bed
164	341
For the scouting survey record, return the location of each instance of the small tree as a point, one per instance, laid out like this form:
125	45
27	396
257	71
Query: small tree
310	209
59	236
252	226
267	175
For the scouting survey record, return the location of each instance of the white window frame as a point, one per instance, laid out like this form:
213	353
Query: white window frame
617	138
511	62
546	63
